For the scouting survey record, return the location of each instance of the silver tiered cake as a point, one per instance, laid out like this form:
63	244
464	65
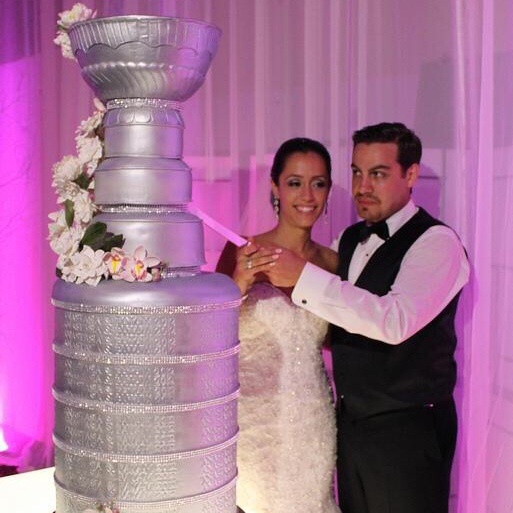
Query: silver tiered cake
146	373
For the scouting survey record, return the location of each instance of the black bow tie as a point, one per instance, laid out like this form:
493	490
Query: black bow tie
380	229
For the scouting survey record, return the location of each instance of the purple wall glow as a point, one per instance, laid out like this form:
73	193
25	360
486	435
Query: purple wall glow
21	367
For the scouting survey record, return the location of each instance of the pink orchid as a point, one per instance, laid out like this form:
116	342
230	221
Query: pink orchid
135	268
114	260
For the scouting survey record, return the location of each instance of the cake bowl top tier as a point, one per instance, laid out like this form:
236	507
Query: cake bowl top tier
144	56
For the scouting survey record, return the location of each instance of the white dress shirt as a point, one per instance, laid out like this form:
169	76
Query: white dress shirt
433	271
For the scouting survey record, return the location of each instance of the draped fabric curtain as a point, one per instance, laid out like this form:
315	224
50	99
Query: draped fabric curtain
285	68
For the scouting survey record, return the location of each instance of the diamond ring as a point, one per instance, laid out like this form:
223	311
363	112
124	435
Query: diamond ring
249	263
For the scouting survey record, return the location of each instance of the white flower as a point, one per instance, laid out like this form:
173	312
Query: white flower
66	243
64	42
64	172
67	191
88	126
67	169
99	105
90	151
63	261
79	12
59	224
83	206
87	266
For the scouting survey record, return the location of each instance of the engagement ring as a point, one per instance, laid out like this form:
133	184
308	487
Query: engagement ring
249	264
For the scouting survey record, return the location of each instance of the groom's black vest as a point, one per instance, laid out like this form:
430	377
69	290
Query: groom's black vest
373	377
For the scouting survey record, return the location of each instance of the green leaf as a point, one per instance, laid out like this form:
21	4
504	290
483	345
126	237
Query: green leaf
113	241
69	212
83	181
94	236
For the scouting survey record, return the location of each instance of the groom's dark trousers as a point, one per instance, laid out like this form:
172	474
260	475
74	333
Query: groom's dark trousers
396	462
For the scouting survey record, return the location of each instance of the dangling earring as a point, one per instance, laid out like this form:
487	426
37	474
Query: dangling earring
276	206
325	219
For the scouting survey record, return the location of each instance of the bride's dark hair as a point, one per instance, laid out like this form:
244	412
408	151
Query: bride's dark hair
298	145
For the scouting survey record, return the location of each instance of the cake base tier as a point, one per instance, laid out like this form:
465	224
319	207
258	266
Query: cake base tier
221	500
203	292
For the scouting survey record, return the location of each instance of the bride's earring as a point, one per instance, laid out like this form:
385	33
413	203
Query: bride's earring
276	206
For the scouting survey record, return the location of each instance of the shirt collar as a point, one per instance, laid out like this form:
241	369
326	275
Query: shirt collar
401	217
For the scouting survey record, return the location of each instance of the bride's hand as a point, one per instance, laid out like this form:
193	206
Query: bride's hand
251	260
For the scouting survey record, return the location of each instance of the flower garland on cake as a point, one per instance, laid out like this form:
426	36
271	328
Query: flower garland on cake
87	252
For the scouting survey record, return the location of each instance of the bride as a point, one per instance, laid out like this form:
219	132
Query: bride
286	450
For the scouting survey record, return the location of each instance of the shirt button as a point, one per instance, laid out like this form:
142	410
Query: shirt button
303	301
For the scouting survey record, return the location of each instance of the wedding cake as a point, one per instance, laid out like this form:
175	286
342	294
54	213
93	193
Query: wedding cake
146	370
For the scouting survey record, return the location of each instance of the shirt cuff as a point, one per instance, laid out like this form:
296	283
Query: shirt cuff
310	286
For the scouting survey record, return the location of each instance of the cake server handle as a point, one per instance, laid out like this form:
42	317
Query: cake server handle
218	227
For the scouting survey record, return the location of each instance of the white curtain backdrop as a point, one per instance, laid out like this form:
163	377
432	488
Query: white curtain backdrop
285	68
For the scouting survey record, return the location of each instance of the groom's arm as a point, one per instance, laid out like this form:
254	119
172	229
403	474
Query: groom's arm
432	272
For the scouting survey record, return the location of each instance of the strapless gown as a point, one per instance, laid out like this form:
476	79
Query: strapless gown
286	450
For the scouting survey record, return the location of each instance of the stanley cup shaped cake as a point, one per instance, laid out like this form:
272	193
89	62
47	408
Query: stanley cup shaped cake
146	373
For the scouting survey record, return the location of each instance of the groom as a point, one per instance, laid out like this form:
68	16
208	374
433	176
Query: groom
392	308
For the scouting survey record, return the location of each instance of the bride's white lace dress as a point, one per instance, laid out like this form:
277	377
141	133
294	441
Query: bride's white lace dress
286	450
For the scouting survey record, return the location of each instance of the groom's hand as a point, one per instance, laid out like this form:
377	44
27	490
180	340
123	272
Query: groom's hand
286	269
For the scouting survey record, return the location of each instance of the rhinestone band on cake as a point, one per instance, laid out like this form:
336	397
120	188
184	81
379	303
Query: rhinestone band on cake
146	379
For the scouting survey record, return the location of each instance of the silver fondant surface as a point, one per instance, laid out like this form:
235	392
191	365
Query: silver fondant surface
146	432
203	289
158	384
144	140
150	480
142	186
144	56
221	500
175	238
